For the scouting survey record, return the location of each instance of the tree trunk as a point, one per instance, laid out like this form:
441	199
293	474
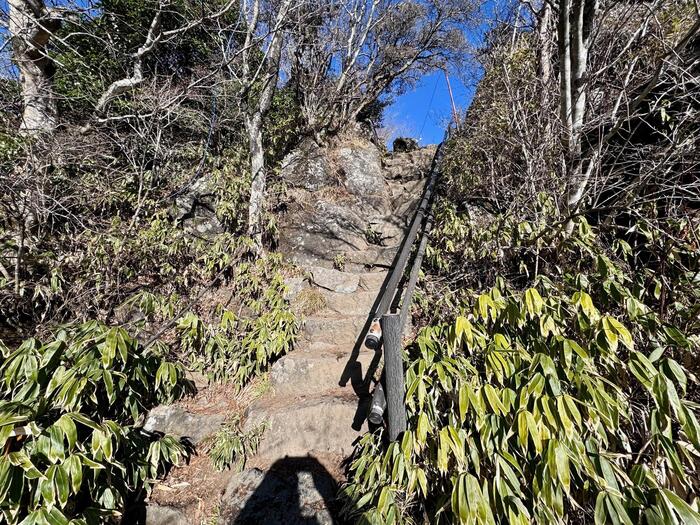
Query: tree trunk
565	71
575	33
257	172
580	37
579	65
31	26
544	46
254	122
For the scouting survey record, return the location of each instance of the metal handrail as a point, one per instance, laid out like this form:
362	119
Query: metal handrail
392	323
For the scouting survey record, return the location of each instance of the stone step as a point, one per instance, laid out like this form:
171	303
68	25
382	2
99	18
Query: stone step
357	304
372	281
293	491
374	256
305	373
308	427
345	282
334	330
333	280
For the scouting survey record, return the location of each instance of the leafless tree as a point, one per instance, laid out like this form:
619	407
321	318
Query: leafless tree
263	31
594	42
354	51
156	35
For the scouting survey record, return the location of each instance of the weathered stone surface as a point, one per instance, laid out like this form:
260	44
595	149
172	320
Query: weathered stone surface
158	515
195	209
334	280
361	167
294	286
295	426
390	233
314	232
175	420
405	198
411	165
341	194
335	222
333	330
294	491
199	380
373	281
307	167
306	373
375	256
357	304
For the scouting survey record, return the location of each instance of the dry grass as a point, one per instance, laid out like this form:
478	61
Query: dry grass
338	194
309	301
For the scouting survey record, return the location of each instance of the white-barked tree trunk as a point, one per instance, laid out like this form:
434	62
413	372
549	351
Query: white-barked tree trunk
31	25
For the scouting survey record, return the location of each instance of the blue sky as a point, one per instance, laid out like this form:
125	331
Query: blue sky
424	111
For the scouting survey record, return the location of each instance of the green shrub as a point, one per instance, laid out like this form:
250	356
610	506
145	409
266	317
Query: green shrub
570	401
240	345
231	446
70	425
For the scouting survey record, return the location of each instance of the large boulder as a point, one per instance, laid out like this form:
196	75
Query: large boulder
308	167
361	171
314	230
409	165
404	145
195	209
349	202
175	420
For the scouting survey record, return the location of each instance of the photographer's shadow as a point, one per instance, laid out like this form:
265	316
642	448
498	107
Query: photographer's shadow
293	491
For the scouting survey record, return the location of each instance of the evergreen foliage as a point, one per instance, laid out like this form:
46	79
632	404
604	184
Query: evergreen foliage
572	400
73	446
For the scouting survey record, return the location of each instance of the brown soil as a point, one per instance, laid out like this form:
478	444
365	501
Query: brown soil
196	488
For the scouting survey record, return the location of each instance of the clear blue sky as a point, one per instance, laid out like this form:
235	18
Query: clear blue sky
424	111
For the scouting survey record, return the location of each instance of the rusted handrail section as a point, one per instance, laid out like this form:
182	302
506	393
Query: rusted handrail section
392	311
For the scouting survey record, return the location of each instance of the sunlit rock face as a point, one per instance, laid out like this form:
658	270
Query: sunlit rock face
349	201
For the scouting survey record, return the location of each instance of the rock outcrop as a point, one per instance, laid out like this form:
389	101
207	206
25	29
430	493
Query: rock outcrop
178	422
195	209
353	202
360	169
404	144
349	201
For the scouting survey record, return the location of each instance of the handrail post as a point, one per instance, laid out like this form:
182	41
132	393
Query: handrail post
393	368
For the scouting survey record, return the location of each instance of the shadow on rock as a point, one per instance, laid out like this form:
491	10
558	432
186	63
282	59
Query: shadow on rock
293	491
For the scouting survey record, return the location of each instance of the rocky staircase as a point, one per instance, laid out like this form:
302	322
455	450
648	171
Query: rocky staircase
314	411
345	201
